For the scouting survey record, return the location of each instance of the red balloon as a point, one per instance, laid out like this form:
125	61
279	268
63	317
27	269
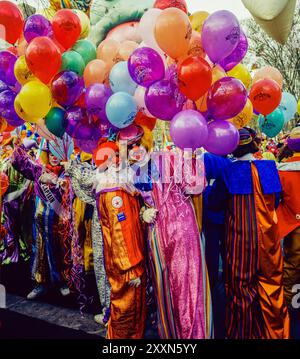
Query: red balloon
11	22
13	50
194	77
4	183
164	4
66	27
265	96
145	121
43	58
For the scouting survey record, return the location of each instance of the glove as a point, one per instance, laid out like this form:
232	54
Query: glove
149	215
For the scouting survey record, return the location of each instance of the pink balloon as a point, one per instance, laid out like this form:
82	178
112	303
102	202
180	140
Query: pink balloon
147	25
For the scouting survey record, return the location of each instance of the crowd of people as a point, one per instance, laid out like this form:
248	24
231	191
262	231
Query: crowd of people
213	241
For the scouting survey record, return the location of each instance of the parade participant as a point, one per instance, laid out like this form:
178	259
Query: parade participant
52	218
177	257
247	190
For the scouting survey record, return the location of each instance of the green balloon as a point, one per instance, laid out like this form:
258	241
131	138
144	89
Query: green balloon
73	61
55	121
86	49
273	123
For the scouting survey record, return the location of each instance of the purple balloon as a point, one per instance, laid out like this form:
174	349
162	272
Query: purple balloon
67	87
188	129
7	64
89	145
164	100
7	108
226	98
77	124
172	74
106	127
223	138
37	25
237	55
146	66
96	97
3	86
220	35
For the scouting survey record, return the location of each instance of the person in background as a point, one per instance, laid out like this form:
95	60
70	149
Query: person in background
248	190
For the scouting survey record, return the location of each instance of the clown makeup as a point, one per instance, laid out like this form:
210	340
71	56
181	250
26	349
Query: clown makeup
53	160
136	152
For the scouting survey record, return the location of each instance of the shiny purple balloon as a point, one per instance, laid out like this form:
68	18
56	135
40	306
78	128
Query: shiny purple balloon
172	74
67	87
164	100
89	145
226	98
77	124
237	55
220	35
223	138
188	129
146	66
37	25
96	98
7	108
3	86
7	64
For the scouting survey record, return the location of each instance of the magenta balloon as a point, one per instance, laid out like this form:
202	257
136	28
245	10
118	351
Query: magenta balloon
67	87
223	138
164	100
146	66
220	35
77	124
226	98
237	55
7	108
172	74
7	64
188	129
90	144
37	25
96	98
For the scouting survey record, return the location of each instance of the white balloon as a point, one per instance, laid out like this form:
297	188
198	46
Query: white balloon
139	97
147	25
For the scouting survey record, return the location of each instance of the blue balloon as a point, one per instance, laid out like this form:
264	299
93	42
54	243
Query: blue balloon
273	123
288	106
121	109
120	79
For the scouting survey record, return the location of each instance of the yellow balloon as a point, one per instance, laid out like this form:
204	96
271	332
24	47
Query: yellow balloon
197	19
21	113
22	72
243	118
35	99
298	107
85	23
241	72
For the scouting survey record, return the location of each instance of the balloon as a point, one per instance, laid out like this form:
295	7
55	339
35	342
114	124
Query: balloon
164	100
89	145
43	58
11	22
146	66
86	49
243	118
21	112
288	106
272	124
3	86
144	121
3	125
22	72
7	110
147	26
66	27
37	25
55	122
173	32
108	52
188	129
35	99
121	109
96	98
126	49
77	124
84	22
195	46
120	80
226	98
195	77
197	20
67	87
237	55
241	73
22	46
139	97
73	61
265	96
95	72
223	138
269	72
220	35
164	4
126	31
7	63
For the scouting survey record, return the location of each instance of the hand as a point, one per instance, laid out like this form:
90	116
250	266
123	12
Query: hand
48	178
149	215
135	282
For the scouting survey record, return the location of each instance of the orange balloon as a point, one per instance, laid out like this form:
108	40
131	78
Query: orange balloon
269	72
126	49
22	46
265	96
195	46
173	32
96	71
3	124
145	121
108	52
243	118
202	103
